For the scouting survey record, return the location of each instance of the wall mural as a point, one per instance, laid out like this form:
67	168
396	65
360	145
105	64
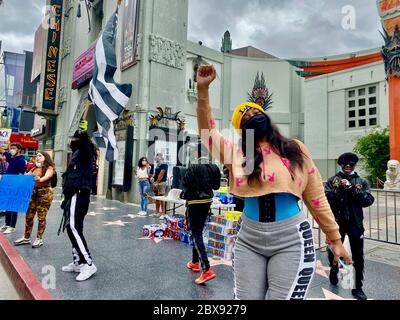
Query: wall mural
260	93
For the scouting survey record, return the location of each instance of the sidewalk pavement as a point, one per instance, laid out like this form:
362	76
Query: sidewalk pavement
133	268
7	290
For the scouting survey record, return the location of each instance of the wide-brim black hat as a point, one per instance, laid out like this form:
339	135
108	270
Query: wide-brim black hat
347	157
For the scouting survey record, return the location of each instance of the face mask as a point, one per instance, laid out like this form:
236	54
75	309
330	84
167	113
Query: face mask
74	145
13	152
38	164
258	123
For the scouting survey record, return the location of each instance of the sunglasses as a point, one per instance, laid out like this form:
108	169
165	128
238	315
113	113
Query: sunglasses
351	164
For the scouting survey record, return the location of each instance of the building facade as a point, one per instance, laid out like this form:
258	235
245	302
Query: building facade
327	111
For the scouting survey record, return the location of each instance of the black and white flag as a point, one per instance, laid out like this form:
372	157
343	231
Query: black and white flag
109	98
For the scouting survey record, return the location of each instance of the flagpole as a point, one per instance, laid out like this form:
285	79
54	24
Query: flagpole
87	107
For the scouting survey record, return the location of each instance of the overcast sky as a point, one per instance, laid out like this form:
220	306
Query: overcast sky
19	20
284	28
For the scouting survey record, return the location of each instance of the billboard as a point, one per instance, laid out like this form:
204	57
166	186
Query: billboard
37	53
25	140
52	57
83	67
129	33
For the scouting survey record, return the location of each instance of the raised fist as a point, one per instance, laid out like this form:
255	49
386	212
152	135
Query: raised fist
205	75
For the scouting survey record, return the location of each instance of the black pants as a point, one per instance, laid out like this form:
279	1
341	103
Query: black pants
79	206
11	219
197	217
356	239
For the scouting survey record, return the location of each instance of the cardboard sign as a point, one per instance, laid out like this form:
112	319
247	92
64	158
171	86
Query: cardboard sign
16	192
5	135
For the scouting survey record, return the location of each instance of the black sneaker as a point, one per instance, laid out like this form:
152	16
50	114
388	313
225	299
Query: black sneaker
333	277
359	294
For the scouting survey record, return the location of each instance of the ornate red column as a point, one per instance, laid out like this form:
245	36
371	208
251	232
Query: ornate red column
389	11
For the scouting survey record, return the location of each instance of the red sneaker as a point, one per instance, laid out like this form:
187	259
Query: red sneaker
195	267
205	276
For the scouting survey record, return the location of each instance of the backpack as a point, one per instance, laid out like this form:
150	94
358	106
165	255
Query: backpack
54	180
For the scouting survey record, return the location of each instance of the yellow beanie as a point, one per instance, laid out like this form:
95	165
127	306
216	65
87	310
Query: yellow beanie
240	111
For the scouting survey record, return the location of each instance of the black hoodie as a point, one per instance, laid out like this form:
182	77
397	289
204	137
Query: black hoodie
347	204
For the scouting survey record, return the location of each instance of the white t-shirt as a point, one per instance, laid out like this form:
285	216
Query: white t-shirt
142	173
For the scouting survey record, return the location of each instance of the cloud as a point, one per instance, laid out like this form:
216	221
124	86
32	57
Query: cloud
286	28
18	23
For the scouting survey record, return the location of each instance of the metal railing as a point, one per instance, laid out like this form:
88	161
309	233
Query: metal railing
319	236
381	221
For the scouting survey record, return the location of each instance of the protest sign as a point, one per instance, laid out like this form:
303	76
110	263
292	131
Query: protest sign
16	192
5	135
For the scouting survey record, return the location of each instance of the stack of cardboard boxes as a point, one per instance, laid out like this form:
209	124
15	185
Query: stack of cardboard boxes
220	235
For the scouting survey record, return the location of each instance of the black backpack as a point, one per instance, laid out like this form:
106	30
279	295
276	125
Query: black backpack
54	180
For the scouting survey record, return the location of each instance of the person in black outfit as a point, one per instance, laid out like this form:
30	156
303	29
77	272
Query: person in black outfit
201	178
76	191
348	194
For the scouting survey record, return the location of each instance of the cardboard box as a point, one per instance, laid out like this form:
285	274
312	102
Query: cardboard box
228	247
212	252
221	238
217	228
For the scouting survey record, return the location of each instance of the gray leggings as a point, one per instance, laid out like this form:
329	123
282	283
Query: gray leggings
274	261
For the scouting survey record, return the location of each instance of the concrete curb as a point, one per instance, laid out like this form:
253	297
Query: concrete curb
26	283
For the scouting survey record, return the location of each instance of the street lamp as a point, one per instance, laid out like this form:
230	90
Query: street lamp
88	5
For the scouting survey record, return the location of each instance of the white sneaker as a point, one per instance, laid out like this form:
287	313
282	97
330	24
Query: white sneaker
162	216
9	230
37	243
142	213
22	241
3	228
86	272
72	267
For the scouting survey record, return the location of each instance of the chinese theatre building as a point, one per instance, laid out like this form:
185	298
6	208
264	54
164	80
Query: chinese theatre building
328	102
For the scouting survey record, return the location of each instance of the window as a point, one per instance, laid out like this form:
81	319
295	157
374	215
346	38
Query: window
362	107
10	85
372	90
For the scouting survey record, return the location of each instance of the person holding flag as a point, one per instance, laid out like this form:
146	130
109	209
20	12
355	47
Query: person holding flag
109	100
76	192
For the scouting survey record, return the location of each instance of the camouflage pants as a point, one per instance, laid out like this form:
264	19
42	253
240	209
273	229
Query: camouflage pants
40	203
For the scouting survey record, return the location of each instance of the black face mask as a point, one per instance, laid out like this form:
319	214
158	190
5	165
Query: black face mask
74	145
258	123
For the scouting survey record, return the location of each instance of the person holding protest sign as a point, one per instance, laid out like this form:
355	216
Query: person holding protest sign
16	165
76	191
274	255
41	199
